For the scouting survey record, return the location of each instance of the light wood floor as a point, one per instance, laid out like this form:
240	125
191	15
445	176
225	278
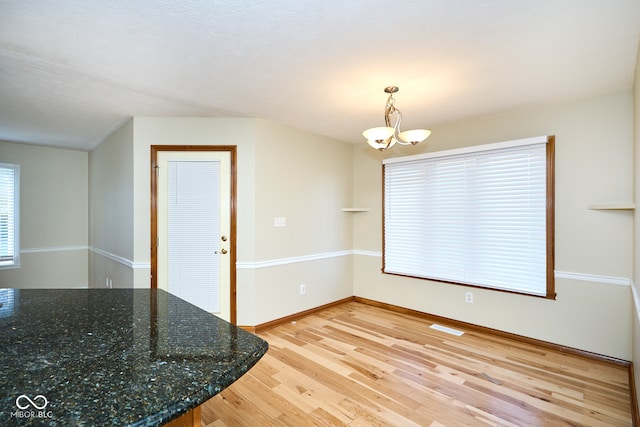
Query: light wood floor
359	365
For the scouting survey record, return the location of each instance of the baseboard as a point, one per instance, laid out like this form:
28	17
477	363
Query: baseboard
287	319
483	329
635	412
449	322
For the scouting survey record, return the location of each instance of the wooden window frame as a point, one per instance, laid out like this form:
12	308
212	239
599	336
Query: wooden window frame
550	232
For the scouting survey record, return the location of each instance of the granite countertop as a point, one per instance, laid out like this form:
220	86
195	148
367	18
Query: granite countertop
105	357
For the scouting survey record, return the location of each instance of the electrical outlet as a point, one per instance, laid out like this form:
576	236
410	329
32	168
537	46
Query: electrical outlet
279	221
303	289
468	297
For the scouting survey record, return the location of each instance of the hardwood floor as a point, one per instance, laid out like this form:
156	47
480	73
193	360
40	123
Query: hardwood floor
359	365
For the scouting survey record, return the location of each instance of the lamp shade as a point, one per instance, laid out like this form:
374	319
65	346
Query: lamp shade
382	145
378	134
414	136
380	138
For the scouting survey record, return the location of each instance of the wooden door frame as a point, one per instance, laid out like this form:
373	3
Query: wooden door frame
231	149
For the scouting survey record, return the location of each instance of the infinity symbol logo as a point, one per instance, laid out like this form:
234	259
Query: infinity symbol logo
33	403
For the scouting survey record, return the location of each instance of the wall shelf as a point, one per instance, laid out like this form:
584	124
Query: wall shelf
355	209
612	206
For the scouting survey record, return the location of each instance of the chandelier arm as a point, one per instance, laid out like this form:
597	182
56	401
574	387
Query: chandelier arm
396	135
396	126
387	117
388	111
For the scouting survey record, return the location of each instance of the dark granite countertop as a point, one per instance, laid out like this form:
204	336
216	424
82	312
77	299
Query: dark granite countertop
113	357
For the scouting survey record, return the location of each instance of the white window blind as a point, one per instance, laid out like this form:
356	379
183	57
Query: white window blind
476	217
194	232
9	216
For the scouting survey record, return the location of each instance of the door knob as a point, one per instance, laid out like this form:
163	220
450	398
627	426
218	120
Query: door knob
221	251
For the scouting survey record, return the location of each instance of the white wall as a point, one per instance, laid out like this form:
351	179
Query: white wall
53	217
594	163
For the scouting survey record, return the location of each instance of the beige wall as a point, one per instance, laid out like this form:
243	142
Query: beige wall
307	179
189	131
53	217
635	339
111	193
111	210
594	164
281	172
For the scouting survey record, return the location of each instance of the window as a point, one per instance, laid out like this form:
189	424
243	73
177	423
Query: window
9	223
479	216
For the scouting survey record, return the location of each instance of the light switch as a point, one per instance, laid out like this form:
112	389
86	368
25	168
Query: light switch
279	221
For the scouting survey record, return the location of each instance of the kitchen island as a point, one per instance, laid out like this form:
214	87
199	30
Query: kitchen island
113	357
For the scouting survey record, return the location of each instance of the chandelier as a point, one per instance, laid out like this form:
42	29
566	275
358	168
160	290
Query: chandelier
385	137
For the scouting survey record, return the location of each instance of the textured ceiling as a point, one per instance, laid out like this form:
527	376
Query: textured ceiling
72	71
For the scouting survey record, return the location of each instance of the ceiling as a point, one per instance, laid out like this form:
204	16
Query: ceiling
73	71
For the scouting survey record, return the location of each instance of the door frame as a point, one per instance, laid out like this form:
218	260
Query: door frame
231	149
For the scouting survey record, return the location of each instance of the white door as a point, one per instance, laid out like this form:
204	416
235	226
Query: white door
193	227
